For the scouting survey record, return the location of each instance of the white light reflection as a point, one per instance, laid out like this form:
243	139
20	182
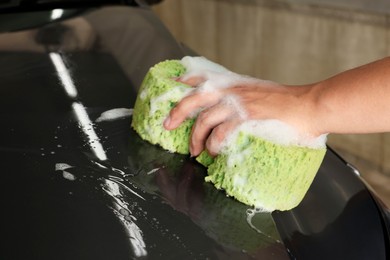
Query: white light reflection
112	188
134	233
78	108
87	127
63	74
56	13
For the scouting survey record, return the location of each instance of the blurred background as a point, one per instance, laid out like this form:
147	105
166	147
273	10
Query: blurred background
294	42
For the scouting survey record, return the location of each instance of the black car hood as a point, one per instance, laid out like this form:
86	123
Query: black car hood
76	187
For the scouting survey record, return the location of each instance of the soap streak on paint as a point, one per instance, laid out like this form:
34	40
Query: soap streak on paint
130	190
114	114
152	171
68	176
250	213
63	167
118	180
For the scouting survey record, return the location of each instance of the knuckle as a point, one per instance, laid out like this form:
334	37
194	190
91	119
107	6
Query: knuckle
219	133
203	118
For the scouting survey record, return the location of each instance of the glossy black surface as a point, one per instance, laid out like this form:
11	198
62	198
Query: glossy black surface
338	219
74	187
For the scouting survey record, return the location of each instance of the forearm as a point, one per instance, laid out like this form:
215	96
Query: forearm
355	101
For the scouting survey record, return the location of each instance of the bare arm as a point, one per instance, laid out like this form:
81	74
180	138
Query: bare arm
355	101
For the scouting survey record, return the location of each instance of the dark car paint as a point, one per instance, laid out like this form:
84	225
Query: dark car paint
87	210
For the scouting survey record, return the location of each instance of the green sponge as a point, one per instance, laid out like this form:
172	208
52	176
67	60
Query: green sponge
264	174
253	170
158	94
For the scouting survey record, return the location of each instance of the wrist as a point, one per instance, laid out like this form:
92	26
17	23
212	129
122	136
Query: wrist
317	109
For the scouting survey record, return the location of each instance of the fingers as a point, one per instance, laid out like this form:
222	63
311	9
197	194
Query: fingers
191	104
209	92
187	106
206	121
217	93
218	136
191	80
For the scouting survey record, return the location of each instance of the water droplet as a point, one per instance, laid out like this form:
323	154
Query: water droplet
124	212
68	176
128	218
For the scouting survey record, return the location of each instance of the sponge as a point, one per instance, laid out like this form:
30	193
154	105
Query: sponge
158	94
254	168
263	174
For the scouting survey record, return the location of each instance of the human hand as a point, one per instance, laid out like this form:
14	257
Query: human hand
226	100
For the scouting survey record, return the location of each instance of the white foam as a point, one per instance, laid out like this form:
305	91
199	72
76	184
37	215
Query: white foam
233	102
239	181
238	158
177	93
62	166
68	176
153	171
215	76
115	113
277	132
201	64
144	93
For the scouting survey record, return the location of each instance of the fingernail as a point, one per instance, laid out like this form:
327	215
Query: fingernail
167	122
193	151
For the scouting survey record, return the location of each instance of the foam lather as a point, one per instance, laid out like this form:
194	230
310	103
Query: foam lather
271	169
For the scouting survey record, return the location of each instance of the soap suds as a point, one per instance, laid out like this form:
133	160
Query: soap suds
114	114
276	132
178	92
215	76
144	93
239	181
152	171
238	158
62	166
68	176
233	102
201	63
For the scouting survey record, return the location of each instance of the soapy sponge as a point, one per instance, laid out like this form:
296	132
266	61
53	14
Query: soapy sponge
158	94
252	167
263	174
